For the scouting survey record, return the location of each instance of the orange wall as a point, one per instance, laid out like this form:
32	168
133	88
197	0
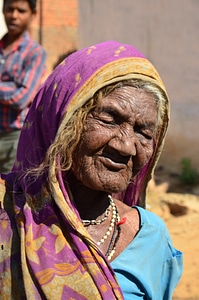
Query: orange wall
56	27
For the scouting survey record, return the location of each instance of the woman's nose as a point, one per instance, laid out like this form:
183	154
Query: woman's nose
125	144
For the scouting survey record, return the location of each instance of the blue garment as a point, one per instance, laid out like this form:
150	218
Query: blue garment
150	267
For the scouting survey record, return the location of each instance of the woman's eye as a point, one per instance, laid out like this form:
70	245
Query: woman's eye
146	133
107	120
147	136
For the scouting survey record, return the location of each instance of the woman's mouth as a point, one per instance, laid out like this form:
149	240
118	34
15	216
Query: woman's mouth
112	164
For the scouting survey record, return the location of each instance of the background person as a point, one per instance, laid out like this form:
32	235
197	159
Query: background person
22	65
72	225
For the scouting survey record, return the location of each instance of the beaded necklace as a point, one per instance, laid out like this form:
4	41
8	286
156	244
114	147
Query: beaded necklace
114	226
112	245
99	221
114	220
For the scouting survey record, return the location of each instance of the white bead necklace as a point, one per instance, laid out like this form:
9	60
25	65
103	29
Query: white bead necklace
114	220
114	226
99	221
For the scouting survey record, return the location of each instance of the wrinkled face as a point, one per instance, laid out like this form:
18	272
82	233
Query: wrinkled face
117	140
18	15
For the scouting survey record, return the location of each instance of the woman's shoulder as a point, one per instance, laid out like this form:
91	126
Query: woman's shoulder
147	215
150	218
153	228
151	248
137	217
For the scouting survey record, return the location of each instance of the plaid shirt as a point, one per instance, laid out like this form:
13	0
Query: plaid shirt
21	71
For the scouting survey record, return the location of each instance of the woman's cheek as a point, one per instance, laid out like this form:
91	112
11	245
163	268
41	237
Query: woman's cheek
144	153
148	154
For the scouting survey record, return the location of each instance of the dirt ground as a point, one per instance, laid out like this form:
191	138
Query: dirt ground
178	205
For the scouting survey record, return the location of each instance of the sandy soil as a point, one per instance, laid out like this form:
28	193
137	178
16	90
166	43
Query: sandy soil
178	205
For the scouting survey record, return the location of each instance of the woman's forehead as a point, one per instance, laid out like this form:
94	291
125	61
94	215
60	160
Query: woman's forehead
127	96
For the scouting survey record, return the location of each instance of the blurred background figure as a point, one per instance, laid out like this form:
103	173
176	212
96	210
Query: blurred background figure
22	66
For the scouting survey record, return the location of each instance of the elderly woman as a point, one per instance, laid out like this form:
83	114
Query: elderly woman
72	222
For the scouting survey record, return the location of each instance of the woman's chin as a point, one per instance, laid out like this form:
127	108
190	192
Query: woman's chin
115	189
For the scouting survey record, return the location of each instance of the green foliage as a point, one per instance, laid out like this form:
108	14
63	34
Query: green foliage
188	174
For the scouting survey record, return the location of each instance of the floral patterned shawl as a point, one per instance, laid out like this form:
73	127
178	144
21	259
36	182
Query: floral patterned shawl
46	253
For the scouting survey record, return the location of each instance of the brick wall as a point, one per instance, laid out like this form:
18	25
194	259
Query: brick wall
55	27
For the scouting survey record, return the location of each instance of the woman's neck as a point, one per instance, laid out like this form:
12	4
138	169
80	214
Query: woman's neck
90	203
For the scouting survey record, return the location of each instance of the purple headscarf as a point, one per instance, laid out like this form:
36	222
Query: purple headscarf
55	249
